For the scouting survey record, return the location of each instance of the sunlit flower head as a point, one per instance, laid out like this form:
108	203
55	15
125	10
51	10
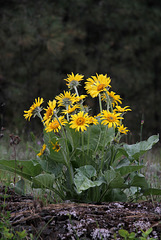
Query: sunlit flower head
42	151
49	110
55	125
66	99
93	120
71	110
122	110
110	119
115	99
97	84
123	129
34	110
80	121
56	146
73	81
80	98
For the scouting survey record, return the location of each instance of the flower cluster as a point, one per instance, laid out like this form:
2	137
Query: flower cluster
68	108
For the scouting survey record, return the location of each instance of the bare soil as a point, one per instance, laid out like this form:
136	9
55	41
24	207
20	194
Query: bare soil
79	220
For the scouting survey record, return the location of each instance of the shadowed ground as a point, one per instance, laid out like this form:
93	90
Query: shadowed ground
80	221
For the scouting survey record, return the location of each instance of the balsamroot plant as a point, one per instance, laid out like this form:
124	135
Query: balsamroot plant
82	158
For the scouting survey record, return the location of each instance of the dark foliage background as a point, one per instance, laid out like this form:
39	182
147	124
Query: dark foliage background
42	41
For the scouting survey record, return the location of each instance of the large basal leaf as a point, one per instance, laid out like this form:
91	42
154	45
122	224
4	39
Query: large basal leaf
83	183
115	195
152	191
87	170
44	181
136	150
51	166
113	179
139	181
24	168
124	170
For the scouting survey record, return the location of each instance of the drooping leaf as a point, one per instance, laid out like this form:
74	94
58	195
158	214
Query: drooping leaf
50	166
139	181
44	181
124	170
134	151
24	168
151	191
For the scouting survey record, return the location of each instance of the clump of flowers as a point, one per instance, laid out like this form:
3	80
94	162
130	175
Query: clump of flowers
81	155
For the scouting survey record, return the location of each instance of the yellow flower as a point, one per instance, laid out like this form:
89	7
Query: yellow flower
123	129
112	119
71	109
122	110
93	120
56	146
80	98
54	125
34	109
73	81
80	121
42	150
49	110
66	99
99	83
114	98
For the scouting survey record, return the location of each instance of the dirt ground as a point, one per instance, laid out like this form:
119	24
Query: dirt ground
79	220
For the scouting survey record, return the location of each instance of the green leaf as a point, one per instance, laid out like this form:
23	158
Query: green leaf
20	187
123	233
22	234
44	181
151	191
146	234
132	236
73	137
50	166
26	169
139	181
95	134
87	170
113	179
136	150
82	181
124	170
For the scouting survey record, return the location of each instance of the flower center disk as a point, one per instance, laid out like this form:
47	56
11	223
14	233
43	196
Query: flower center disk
101	87
80	121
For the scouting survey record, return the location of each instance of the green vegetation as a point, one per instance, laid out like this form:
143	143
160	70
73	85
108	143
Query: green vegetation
109	170
127	236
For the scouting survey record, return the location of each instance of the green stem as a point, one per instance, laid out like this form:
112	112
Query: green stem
103	148
88	140
109	101
66	106
100	102
39	115
76	91
98	141
83	145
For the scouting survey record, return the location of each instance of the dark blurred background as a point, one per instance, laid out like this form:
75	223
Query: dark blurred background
43	41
